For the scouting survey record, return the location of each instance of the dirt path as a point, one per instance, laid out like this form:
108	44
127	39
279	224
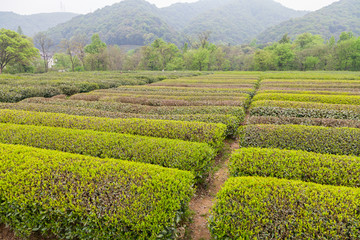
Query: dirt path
204	199
8	234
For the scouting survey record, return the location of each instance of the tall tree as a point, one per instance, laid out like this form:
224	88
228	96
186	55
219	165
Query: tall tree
96	58
15	49
78	43
44	43
68	48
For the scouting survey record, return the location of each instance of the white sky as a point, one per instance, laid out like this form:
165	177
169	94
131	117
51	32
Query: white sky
86	6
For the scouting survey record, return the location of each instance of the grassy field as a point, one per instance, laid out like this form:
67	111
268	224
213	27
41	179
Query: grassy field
109	161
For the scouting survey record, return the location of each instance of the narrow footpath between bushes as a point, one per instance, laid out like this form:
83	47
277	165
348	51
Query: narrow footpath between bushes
204	198
8	234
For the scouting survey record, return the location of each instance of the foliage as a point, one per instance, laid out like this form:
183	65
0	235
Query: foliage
298	165
320	22
141	109
19	87
333	99
256	208
210	133
343	141
77	197
125	23
161	55
15	48
232	122
304	109
194	157
325	122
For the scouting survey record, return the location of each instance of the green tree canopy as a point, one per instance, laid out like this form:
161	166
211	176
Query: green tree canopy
96	45
15	48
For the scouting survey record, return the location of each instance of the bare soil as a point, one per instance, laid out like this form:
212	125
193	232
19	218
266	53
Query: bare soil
7	234
205	198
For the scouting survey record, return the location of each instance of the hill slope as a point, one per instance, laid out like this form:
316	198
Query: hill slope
130	22
32	24
179	15
329	21
137	22
239	21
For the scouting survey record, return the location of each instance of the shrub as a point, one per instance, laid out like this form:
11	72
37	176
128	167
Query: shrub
332	99
343	141
142	109
298	165
230	121
310	110
270	208
325	122
24	86
194	157
211	133
78	197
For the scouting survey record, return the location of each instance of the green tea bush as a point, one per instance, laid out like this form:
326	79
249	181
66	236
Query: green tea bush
298	165
325	122
299	75
78	197
309	110
342	141
194	157
24	86
175	102
179	90
141	109
317	92
331	99
230	121
270	208
211	133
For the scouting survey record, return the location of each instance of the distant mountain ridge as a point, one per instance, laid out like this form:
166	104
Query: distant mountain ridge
243	21
32	24
129	22
137	22
329	21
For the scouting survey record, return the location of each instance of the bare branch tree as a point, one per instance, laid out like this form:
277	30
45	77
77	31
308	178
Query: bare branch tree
44	43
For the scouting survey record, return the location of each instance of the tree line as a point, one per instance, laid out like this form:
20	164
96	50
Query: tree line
305	52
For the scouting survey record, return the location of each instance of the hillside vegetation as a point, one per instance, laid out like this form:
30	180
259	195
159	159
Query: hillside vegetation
137	22
329	21
32	24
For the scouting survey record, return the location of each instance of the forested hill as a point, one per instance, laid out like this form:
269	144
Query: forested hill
179	15
130	22
137	22
240	21
32	24
329	21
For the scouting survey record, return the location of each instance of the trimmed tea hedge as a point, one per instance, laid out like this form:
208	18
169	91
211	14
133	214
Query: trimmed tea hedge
298	165
342	141
289	91
230	121
211	133
310	110
77	197
270	208
332	99
142	109
16	88
194	157
325	122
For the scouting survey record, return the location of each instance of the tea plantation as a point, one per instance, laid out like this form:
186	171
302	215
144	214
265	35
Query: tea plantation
122	155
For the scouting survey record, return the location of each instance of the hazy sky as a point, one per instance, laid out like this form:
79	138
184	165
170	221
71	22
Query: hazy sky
86	6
